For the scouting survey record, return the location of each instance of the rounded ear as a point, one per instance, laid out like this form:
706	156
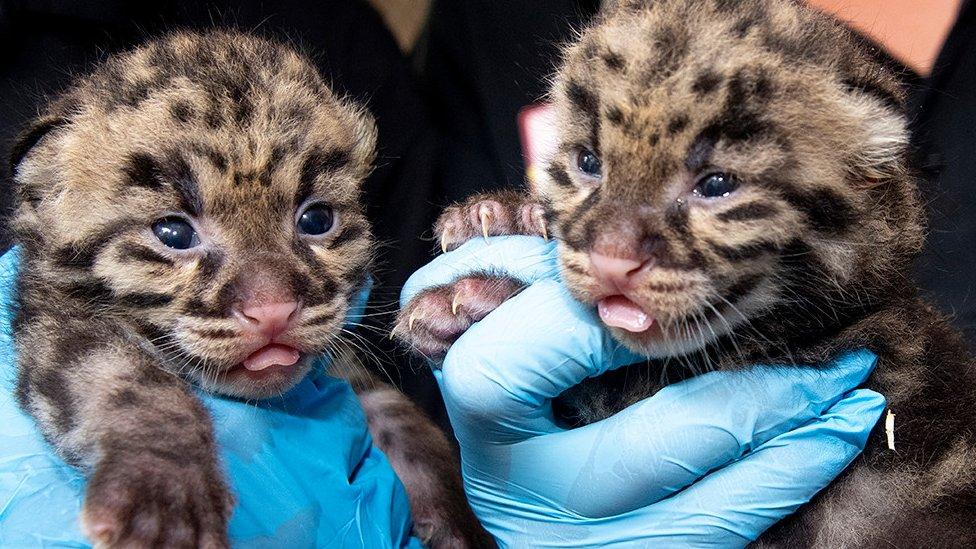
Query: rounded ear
31	136
884	147
364	148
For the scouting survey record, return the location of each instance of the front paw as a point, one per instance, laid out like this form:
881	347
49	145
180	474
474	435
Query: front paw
139	501
436	317
495	214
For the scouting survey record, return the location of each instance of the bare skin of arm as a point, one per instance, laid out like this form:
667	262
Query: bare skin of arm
913	31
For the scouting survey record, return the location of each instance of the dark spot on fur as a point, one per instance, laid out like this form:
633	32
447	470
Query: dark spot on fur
827	211
216	158
748	212
217	333
700	152
81	256
208	265
613	61
93	292
141	170
137	252
743	26
182	111
583	99
706	82
560	177
743	252
615	116
184	183
678	123
125	398
671	44
742	288
52	384
318	162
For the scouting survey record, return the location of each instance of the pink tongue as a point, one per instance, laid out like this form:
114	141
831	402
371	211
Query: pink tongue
271	355
620	312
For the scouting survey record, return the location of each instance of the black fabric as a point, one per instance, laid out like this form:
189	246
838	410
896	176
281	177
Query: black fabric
944	135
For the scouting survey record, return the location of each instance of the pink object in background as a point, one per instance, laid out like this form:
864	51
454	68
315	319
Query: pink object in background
537	131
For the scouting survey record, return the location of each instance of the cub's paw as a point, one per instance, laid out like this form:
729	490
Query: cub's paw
436	317
135	501
494	214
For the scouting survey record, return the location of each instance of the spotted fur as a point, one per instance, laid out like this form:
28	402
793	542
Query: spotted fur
236	134
808	257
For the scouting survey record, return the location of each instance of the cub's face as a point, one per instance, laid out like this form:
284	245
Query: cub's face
205	188
721	161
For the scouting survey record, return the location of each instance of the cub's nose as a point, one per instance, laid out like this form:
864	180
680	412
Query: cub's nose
619	259
267	319
619	271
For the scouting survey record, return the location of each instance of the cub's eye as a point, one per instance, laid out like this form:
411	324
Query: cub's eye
317	219
176	233
717	185
589	163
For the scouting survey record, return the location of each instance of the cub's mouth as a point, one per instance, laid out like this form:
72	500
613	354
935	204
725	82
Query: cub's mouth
660	324
619	311
274	360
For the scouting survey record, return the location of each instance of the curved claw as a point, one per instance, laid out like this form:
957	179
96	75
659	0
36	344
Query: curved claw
484	213
456	303
413	318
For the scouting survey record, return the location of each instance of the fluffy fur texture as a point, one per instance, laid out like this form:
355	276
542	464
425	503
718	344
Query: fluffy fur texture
236	136
806	254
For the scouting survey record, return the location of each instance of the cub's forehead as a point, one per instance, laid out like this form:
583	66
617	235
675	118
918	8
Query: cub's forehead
230	112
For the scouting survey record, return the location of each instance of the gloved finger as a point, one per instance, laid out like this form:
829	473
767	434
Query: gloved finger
662	444
524	257
736	504
500	376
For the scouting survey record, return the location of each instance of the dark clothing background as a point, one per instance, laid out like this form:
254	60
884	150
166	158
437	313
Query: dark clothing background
447	117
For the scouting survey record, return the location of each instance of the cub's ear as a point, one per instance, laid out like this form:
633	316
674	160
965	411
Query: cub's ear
32	135
880	109
364	147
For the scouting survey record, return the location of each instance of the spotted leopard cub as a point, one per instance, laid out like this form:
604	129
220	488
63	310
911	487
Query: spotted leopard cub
190	215
731	187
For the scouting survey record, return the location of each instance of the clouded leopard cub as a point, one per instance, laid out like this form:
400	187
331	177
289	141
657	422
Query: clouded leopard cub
190	214
732	187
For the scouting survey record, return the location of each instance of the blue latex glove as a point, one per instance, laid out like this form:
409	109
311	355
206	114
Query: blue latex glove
712	461
302	467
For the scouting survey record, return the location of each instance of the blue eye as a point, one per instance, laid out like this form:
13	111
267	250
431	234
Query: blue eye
589	163
317	219
176	233
717	185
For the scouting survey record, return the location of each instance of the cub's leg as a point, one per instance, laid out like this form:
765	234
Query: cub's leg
143	440
435	318
425	463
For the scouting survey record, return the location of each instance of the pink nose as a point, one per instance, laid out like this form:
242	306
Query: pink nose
620	271
269	319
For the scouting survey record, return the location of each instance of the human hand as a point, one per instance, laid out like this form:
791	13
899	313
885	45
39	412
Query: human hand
712	461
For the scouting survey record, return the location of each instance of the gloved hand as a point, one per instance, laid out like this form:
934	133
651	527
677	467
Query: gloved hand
302	467
712	461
